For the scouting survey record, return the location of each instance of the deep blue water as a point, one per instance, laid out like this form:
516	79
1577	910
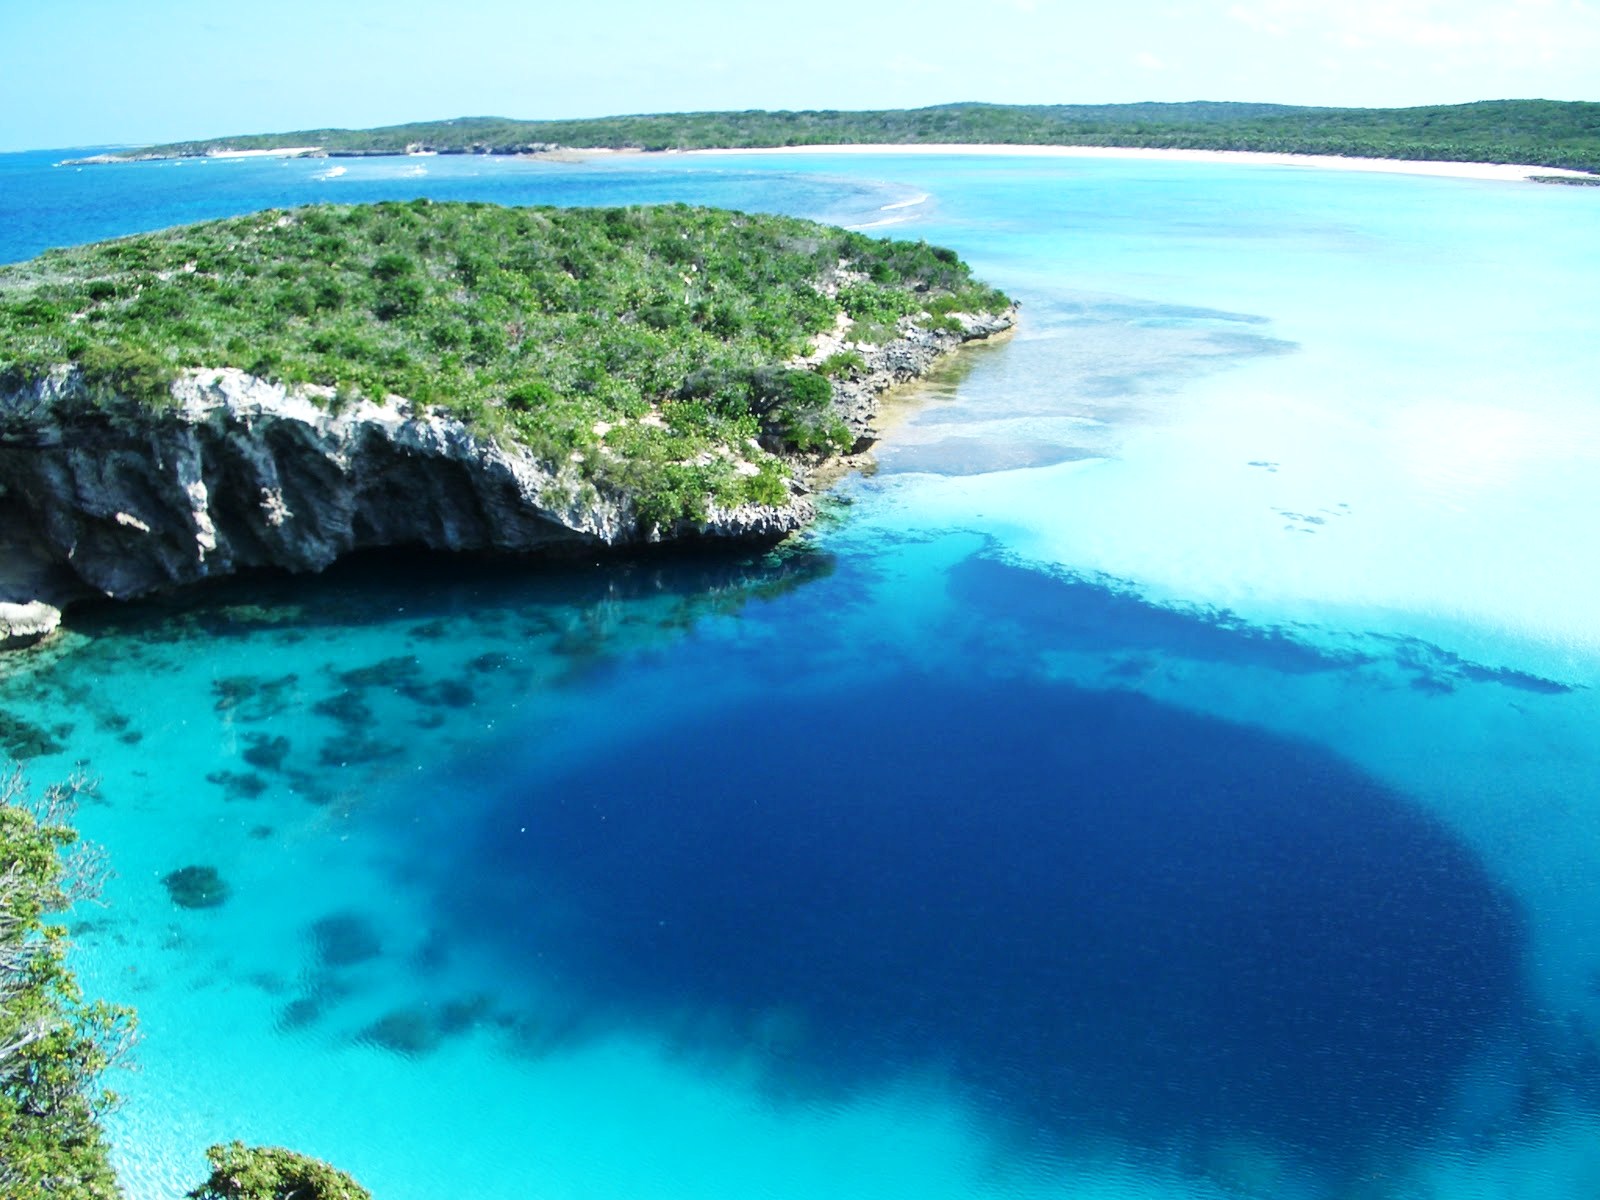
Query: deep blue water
1155	780
1096	910
44	205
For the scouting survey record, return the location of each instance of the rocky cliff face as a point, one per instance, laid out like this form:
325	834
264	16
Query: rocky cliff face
105	497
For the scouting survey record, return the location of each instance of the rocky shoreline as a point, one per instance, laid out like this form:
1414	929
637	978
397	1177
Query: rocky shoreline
107	499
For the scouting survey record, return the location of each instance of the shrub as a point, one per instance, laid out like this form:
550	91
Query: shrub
769	485
330	296
812	431
240	1172
531	396
664	315
393	266
398	297
54	1046
845	362
872	303
136	372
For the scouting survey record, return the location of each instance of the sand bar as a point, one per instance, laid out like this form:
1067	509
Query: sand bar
1397	166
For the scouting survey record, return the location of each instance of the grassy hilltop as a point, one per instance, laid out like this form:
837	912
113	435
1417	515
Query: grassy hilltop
646	345
1540	132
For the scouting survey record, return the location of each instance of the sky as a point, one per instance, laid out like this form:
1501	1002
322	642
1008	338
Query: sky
118	72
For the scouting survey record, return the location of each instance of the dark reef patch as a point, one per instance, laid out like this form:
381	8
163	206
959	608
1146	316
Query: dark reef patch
1073	613
1434	664
355	751
238	785
300	1013
266	752
1090	615
345	939
196	887
410	1032
386	673
347	708
22	739
255	697
442	693
1098	911
466	1013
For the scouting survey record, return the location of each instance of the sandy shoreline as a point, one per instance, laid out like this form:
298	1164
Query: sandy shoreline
1505	172
274	152
1398	166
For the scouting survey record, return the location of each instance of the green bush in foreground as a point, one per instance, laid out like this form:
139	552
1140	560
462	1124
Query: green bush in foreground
574	333
239	1172
54	1045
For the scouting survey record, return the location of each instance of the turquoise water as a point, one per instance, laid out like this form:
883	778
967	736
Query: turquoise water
1171	773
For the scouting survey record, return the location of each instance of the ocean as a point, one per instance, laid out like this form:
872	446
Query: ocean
1171	772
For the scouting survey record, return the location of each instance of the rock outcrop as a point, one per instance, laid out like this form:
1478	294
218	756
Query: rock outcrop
114	499
34	587
243	473
909	357
24	624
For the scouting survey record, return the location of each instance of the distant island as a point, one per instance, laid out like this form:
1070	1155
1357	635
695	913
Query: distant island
278	389
1548	133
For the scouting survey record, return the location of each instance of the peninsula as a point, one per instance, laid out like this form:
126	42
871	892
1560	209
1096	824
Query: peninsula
1547	133
279	389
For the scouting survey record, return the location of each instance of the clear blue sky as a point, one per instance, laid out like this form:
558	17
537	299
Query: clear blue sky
84	72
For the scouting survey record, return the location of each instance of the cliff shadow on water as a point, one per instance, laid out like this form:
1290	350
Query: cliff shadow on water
382	643
408	584
1100	915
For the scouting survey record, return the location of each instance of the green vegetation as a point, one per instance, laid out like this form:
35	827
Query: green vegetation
842	364
640	351
1541	132
54	1045
239	1172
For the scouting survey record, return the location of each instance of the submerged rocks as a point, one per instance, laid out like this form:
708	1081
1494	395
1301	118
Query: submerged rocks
409	1032
345	939
266	751
254	698
196	887
21	739
238	785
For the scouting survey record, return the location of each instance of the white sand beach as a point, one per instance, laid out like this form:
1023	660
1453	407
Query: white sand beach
1456	170
276	152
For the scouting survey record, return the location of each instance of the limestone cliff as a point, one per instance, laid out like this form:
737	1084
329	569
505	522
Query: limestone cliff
104	497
